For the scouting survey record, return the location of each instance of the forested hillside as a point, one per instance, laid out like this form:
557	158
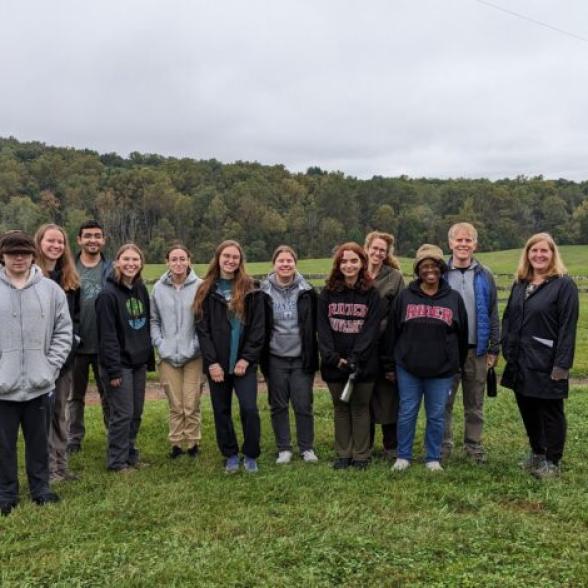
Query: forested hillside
152	199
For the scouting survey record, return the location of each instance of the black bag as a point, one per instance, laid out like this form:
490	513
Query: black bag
491	386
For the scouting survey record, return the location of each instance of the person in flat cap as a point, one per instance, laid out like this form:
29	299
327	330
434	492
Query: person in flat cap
424	346
35	339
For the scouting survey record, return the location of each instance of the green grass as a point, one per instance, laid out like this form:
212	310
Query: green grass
187	523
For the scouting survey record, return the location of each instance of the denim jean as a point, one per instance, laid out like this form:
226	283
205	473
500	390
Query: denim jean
412	389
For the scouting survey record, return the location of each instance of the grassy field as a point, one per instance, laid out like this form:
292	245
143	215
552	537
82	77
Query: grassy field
187	523
501	262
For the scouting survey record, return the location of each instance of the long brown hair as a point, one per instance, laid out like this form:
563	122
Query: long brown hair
242	282
390	259
556	267
70	280
336	281
115	269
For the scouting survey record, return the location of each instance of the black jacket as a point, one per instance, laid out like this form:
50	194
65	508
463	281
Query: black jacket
426	335
214	330
307	306
73	304
122	319
539	334
348	323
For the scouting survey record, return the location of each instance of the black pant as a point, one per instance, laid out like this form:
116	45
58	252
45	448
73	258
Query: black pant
126	409
76	401
389	436
545	423
33	417
221	396
288	382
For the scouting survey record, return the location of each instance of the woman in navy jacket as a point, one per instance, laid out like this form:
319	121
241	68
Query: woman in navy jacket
230	321
539	336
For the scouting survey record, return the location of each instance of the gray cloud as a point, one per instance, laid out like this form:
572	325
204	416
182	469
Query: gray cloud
423	88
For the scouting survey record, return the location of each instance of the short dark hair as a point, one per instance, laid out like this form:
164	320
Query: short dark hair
90	224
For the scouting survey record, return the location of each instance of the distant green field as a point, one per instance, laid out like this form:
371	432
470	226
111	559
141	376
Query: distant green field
502	262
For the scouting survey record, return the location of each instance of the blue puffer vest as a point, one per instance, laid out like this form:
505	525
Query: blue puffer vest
483	296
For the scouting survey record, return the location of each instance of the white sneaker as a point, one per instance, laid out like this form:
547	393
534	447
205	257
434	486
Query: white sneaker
309	456
434	466
284	457
400	465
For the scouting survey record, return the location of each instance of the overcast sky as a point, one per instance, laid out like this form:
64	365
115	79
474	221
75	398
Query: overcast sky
437	88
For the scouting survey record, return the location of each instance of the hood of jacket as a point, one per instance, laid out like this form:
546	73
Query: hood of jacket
444	289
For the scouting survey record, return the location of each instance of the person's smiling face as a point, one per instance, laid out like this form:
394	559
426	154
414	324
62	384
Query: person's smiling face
540	257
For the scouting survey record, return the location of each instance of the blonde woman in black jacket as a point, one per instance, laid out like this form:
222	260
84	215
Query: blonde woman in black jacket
539	336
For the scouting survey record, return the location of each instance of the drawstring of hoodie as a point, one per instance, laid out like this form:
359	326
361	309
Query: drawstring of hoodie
39	300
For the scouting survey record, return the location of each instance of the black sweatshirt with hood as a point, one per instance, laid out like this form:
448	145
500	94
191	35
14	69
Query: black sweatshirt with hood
348	322
426	335
122	318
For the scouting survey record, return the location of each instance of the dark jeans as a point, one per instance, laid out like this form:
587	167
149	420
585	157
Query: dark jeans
32	416
76	400
287	382
545	423
126	409
352	420
221	395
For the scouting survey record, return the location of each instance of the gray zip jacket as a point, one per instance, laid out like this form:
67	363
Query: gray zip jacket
173	331
35	338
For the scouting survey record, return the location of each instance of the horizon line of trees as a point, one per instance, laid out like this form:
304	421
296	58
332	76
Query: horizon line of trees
153	200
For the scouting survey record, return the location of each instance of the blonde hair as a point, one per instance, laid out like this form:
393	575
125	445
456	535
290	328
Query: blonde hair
389	260
556	267
70	280
467	227
116	271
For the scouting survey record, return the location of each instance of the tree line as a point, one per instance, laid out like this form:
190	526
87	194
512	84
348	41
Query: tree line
151	200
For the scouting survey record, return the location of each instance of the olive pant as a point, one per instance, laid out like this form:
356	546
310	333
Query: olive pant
473	386
352	420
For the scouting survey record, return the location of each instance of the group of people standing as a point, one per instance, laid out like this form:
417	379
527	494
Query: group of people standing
383	347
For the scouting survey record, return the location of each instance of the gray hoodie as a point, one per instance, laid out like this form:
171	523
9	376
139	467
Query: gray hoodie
172	319
35	338
285	338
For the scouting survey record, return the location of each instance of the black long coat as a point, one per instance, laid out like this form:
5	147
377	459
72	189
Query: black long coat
539	334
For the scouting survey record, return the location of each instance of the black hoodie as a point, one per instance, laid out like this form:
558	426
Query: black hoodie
348	322
122	318
426	335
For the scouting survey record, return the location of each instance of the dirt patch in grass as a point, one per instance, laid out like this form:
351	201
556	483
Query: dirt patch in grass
522	505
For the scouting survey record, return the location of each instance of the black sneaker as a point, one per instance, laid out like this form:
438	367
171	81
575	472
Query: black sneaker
48	498
341	463
6	508
193	451
360	464
175	452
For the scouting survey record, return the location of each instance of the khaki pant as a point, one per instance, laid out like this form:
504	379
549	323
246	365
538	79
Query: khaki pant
183	387
352	420
473	385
